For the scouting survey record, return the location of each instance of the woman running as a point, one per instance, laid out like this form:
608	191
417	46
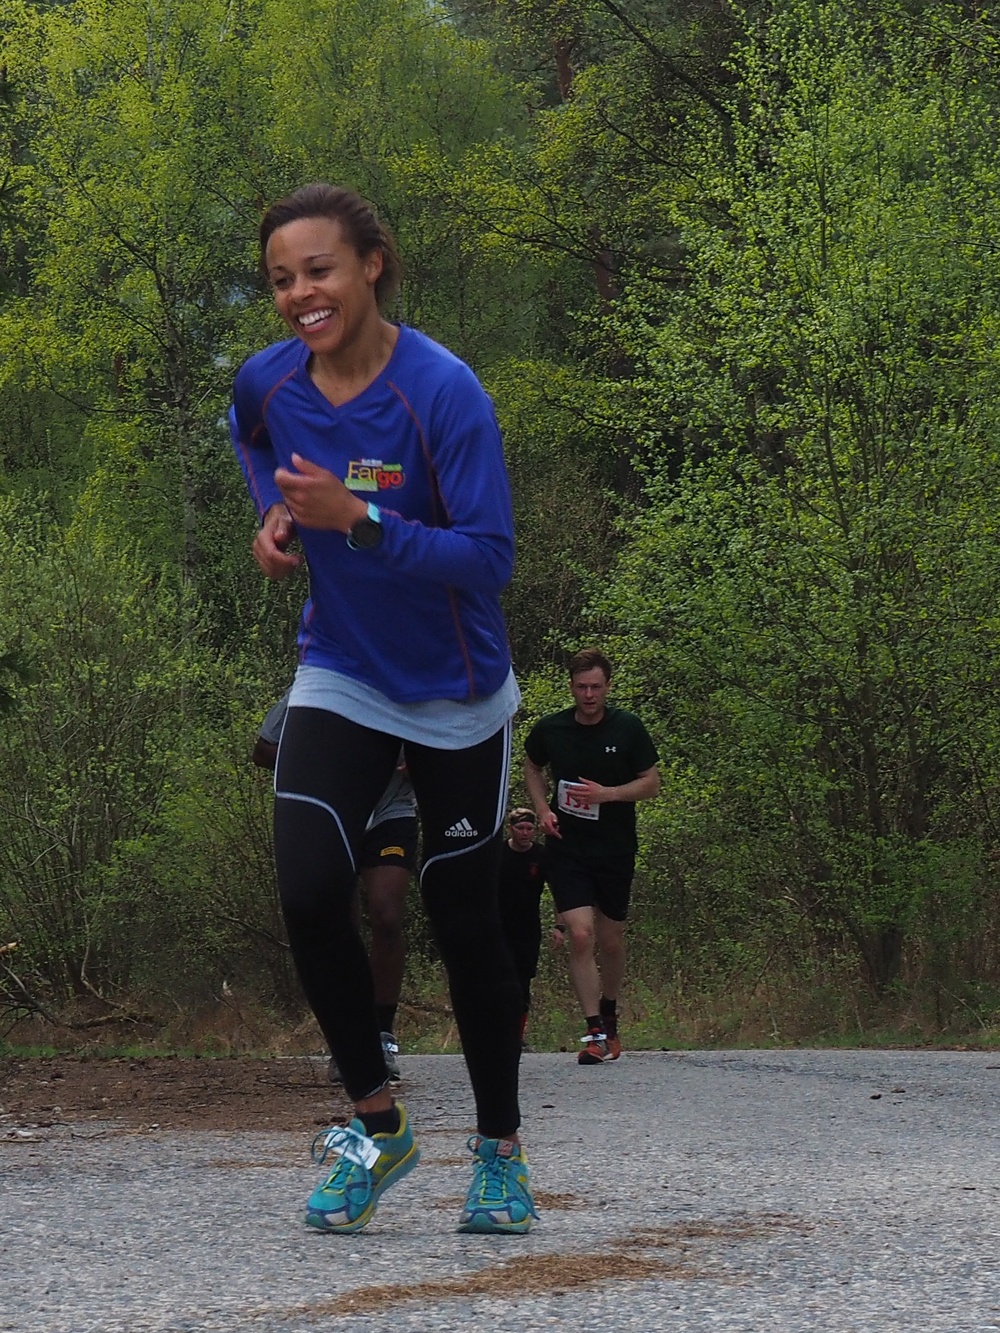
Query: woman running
379	450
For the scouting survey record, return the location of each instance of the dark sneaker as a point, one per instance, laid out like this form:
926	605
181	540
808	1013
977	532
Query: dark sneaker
598	1047
363	1167
390	1049
499	1200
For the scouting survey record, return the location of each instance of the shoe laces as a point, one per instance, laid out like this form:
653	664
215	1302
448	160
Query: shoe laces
598	1038
389	1043
496	1181
490	1174
351	1150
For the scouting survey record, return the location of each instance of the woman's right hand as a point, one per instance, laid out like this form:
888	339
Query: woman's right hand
273	536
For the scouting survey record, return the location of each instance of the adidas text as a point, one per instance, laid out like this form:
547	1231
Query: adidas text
463	829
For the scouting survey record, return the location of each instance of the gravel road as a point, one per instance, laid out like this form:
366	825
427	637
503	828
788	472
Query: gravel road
738	1191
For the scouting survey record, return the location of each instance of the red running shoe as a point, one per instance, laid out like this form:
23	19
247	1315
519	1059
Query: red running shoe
598	1047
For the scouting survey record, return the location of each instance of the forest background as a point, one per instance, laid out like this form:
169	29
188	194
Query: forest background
730	274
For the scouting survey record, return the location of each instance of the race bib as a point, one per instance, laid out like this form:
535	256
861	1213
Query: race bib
571	804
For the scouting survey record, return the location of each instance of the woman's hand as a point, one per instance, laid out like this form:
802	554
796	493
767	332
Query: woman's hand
318	499
269	545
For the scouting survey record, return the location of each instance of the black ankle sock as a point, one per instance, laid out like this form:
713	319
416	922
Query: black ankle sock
381	1122
594	1021
385	1016
609	1016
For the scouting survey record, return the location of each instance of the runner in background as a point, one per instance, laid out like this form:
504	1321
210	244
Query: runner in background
601	760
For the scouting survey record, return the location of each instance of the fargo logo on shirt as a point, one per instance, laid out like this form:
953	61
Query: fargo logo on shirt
371	474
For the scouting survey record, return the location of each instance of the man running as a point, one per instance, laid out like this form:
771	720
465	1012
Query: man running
601	761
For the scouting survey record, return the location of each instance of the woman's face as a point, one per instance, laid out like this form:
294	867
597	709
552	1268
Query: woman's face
323	289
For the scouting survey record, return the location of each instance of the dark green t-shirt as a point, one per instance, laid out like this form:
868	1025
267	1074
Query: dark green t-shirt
613	751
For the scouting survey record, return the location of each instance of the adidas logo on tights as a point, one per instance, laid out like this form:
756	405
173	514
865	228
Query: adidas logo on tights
463	829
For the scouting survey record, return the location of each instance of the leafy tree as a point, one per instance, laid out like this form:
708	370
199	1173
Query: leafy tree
616	97
142	143
133	155
388	97
13	664
813	602
89	753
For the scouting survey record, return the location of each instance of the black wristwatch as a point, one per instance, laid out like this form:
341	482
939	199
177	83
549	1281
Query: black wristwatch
366	533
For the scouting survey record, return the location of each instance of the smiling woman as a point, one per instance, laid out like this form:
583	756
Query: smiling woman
402	641
324	281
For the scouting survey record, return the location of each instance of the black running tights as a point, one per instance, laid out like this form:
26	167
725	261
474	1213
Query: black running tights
329	776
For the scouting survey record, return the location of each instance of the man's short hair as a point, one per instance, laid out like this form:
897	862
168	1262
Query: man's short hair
588	658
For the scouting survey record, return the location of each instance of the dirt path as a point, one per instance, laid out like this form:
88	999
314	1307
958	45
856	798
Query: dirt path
171	1092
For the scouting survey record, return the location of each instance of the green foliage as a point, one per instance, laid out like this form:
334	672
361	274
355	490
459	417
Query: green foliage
728	275
13	664
553	419
134	834
388	97
91	748
812	602
142	142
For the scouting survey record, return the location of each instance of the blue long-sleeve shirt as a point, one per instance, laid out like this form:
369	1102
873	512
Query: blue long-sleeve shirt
418	617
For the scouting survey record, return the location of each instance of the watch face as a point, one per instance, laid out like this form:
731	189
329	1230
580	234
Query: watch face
366	533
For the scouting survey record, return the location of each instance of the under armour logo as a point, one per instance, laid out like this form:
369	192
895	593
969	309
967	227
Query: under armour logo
611	749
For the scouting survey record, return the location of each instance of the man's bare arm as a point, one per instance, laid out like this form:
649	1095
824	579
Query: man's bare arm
641	788
534	780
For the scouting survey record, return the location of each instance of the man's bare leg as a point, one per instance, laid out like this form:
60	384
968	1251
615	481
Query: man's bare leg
386	888
583	972
610	953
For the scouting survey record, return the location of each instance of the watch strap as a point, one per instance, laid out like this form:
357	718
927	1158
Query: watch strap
373	517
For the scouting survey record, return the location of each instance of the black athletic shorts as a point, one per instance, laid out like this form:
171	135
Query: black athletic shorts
604	882
391	843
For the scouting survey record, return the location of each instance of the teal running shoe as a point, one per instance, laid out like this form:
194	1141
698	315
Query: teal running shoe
499	1199
364	1166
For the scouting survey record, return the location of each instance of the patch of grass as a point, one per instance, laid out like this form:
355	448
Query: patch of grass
105	1051
14	1051
756	1005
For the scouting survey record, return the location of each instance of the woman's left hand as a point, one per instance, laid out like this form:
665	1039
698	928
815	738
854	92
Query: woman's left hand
318	499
